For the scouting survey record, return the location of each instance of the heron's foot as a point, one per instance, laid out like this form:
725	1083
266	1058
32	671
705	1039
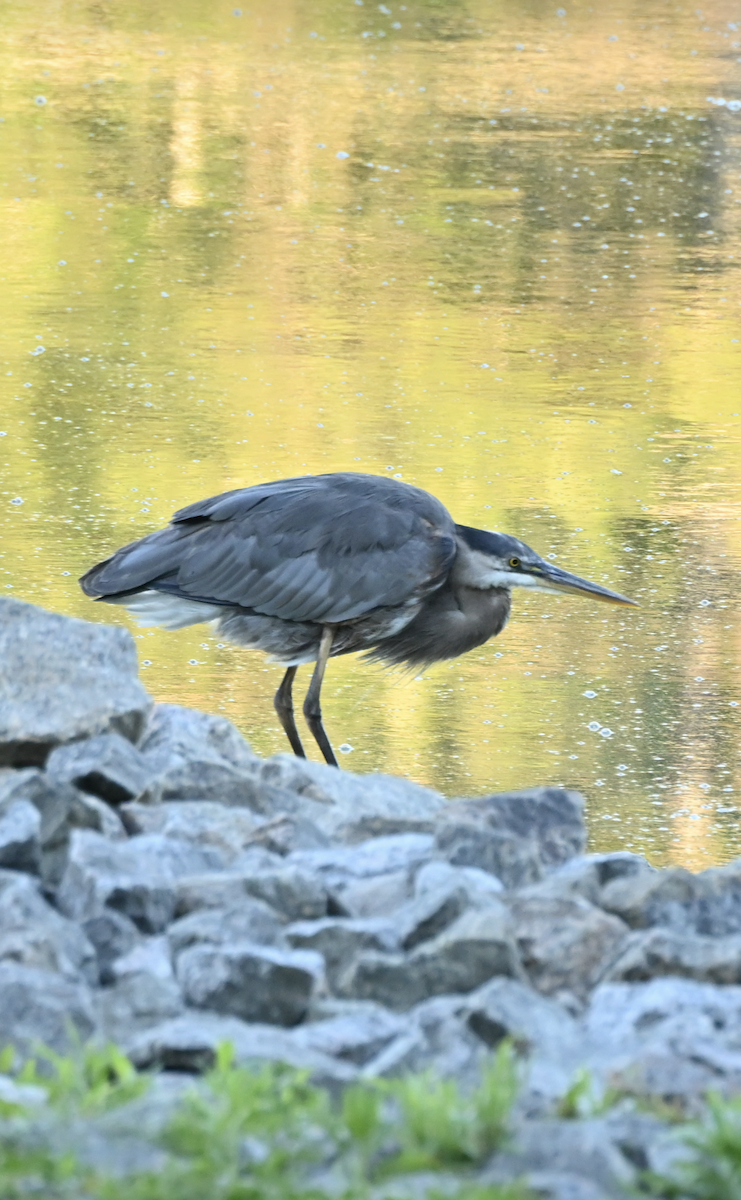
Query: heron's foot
283	703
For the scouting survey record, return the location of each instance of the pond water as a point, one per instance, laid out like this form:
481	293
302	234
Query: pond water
488	248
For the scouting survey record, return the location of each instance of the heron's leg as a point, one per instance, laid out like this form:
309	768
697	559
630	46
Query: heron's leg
312	706
283	701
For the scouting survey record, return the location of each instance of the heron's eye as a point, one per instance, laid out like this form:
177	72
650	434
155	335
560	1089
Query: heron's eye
515	562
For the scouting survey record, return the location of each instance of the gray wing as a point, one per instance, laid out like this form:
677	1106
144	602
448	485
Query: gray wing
324	548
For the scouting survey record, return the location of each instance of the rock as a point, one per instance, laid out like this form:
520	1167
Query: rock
355	1037
228	830
562	1185
112	935
371	879
107	766
63	680
20	836
135	1002
565	944
717	910
649	953
34	934
436	1039
247	980
150	956
514	835
350	808
586	875
136	877
206	780
341	939
506	1008
476	947
481	886
652	897
42	1007
284	834
252	920
669	1039
175	735
578	1148
189	1043
430	914
25	1095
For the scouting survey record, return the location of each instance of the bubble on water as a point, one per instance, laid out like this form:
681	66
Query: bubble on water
40	100
16	500
484	366
165	294
346	748
589	695
38	350
619	87
342	154
605	733
733	703
192	662
699	678
62	262
704	603
66	572
594	726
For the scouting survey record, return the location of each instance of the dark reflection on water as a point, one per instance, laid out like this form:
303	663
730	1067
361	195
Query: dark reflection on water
492	250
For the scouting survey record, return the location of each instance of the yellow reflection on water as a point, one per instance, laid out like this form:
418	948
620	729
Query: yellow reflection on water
489	249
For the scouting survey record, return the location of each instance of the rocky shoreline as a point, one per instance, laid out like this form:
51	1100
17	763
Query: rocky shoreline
163	887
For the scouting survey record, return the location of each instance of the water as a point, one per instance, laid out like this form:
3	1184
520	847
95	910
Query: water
489	249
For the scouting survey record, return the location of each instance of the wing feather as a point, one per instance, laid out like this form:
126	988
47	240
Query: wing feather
324	548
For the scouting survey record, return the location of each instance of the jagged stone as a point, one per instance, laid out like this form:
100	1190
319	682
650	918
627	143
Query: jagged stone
647	954
42	1008
582	1149
285	834
355	1037
112	935
250	981
20	836
565	944
652	897
63	679
481	886
373	878
514	835
150	956
341	939
228	830
351	808
107	766
437	1039
174	735
137	1001
588	874
207	780
507	1008
33	934
476	947
189	1043
136	877
252	920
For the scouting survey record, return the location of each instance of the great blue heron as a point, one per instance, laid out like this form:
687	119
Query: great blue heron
309	568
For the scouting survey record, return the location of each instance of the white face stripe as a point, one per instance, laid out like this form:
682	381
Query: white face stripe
512	579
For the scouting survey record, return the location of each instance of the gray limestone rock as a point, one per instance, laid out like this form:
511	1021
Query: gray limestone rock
150	956
355	1037
205	779
562	1185
350	808
565	944
34	934
20	836
649	953
717	910
478	946
588	874
205	822
251	981
285	833
135	877
437	1039
107	766
42	1007
371	879
62	680
251	920
429	914
137	1001
112	935
652	897
341	939
175	735
480	885
584	1149
189	1043
514	835
506	1008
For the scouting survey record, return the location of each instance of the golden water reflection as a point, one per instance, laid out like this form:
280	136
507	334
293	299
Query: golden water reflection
490	249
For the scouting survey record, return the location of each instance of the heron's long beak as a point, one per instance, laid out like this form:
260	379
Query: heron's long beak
562	581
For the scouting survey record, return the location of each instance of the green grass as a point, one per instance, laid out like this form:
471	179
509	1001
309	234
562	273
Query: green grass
712	1170
264	1134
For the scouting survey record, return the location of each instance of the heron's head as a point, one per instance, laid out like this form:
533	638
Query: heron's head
498	560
